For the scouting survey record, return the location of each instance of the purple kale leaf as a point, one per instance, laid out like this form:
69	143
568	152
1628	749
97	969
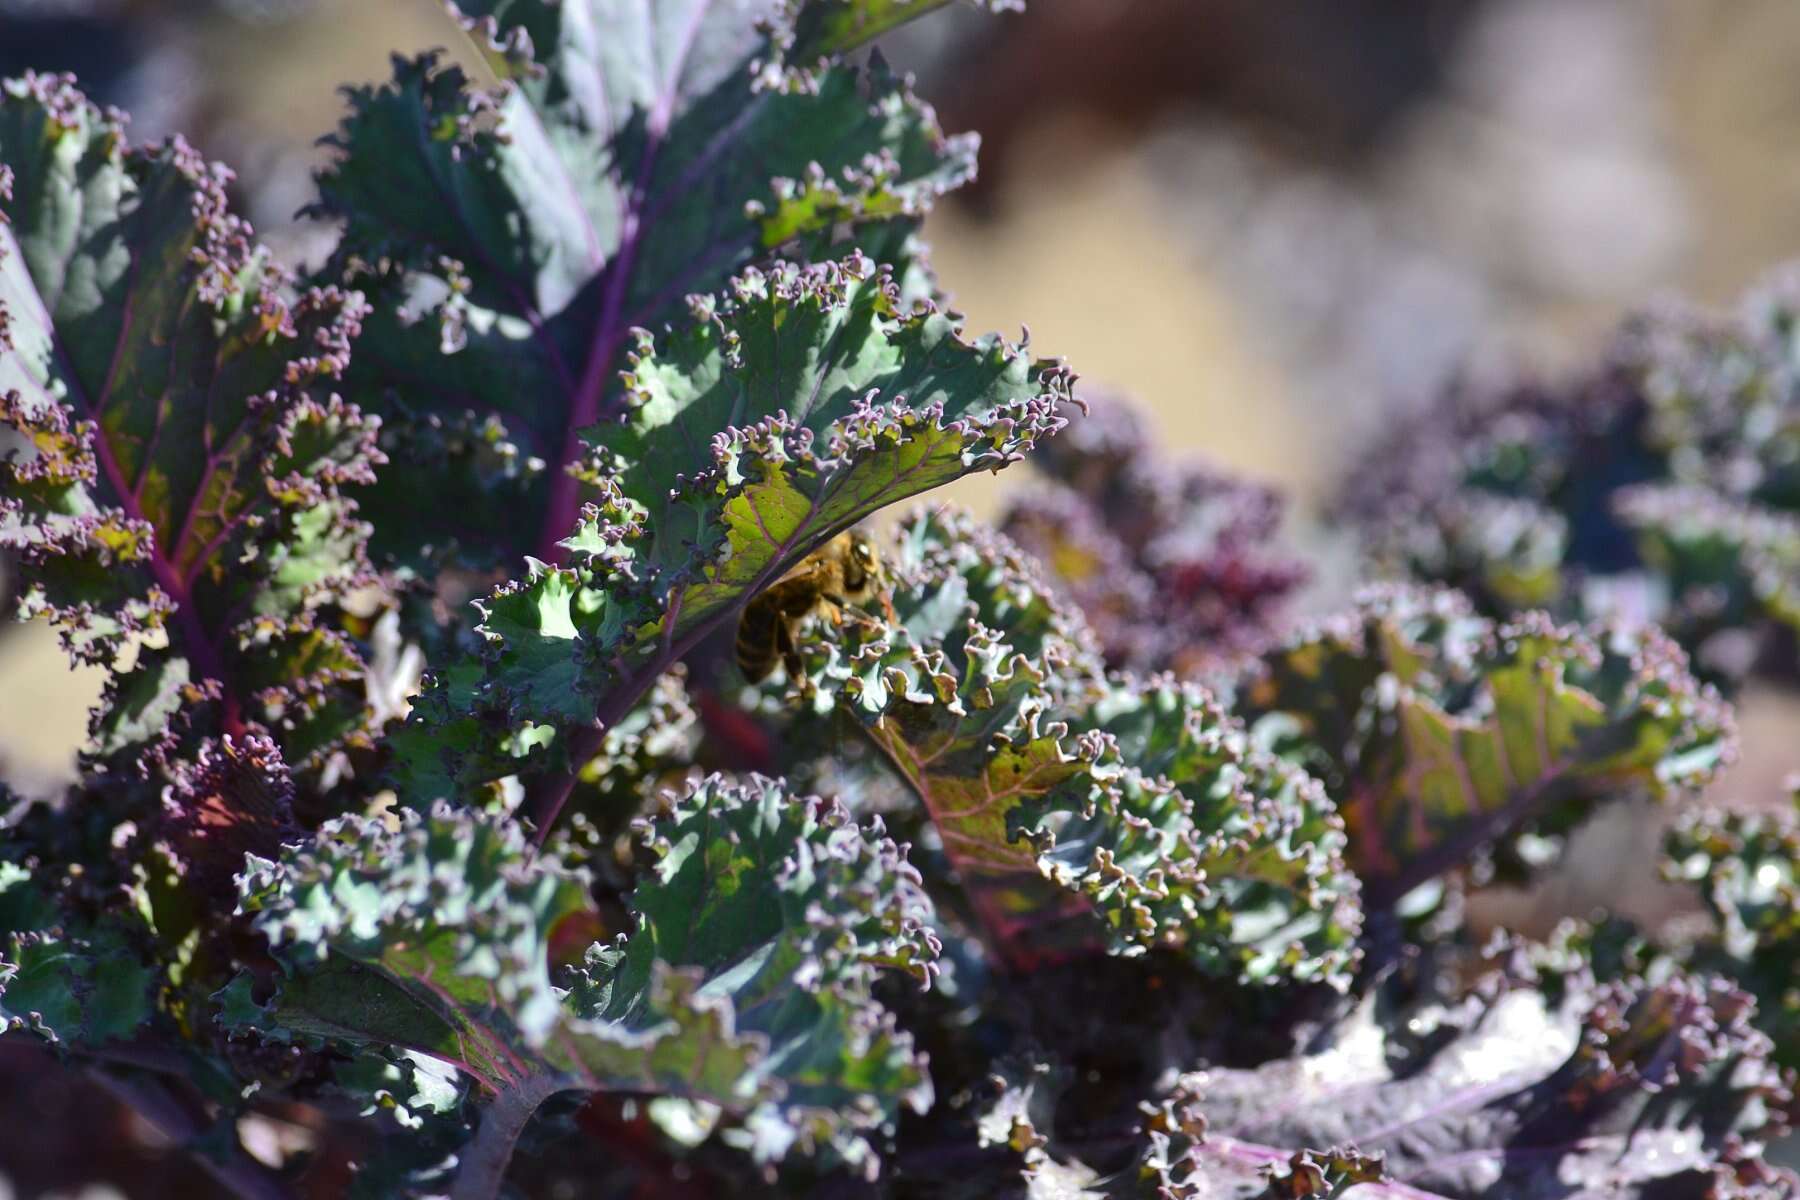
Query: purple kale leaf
776	415
1659	482
174	486
1746	867
1636	1089
1082	812
1443	735
1170	561
746	982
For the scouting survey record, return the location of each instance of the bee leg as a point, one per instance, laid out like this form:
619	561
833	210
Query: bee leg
866	620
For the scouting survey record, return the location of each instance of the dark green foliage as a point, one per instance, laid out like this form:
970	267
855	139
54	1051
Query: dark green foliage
1060	921
788	908
61	981
437	939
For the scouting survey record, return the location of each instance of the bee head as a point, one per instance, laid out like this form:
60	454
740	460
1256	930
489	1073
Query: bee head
863	570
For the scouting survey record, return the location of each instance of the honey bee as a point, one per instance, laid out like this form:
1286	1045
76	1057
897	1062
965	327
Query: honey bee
832	582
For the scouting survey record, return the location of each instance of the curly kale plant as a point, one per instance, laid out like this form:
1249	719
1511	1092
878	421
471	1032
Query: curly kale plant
1664	483
1170	561
1074	879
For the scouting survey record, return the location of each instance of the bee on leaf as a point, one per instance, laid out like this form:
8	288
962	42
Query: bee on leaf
833	582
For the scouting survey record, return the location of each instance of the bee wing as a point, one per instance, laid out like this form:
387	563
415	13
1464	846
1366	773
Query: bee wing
793	593
806	568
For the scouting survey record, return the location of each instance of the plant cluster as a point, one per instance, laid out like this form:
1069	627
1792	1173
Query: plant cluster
1661	483
1171	562
1038	880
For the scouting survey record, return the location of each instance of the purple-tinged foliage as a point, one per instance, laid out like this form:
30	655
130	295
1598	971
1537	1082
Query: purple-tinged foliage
1663	483
1627	1088
1081	812
737	986
174	491
1170	561
233	799
1060	921
1665	1088
1746	867
1444	736
173	497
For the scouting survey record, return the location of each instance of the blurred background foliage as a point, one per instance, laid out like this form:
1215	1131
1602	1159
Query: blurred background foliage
1283	228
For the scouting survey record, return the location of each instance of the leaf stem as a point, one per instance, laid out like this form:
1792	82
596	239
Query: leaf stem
609	332
549	794
483	1167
